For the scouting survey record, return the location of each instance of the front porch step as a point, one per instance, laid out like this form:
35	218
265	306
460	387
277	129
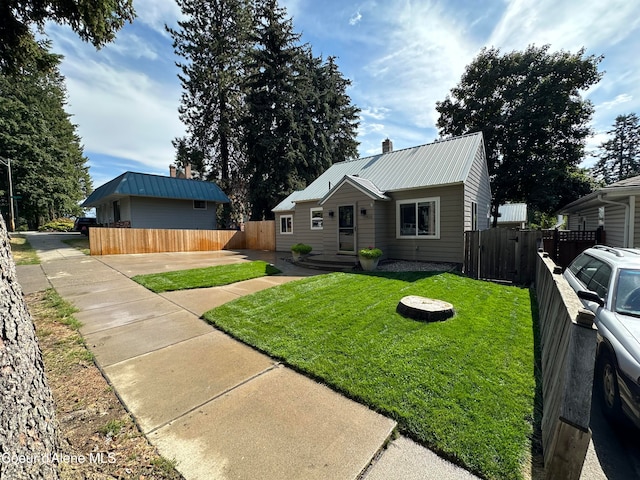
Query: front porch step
328	263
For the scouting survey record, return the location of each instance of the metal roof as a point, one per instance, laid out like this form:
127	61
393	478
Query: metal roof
512	212
146	185
618	191
443	162
362	184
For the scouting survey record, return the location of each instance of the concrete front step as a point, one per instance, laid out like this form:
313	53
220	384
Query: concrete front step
329	263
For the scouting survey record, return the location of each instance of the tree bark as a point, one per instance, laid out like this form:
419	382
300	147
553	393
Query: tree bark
28	430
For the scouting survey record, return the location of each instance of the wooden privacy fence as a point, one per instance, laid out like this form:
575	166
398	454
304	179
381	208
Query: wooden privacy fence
568	349
565	245
112	241
502	254
260	235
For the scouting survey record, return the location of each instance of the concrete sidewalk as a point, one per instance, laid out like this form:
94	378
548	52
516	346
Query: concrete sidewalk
218	407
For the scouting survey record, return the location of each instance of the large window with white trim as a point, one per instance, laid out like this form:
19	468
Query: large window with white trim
418	218
316	218
286	224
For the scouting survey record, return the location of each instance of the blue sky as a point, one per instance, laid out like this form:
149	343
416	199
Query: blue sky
402	56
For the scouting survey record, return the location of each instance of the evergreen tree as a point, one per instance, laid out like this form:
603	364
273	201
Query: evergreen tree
272	125
213	41
95	21
299	120
534	121
619	157
48	167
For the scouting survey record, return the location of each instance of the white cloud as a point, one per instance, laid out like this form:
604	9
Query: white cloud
426	52
132	46
618	100
123	113
155	13
564	24
355	19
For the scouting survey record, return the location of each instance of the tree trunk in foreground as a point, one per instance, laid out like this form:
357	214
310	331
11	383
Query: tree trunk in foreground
28	431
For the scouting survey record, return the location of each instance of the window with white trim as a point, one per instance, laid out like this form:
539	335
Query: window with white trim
419	218
286	224
316	218
474	216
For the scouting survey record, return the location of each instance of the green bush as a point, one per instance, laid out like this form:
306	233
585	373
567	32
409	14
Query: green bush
58	225
301	248
370	252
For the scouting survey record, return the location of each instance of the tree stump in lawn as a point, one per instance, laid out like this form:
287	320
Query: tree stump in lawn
424	309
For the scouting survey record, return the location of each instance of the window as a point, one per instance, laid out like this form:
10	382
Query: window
116	211
316	218
592	273
199	205
286	224
418	218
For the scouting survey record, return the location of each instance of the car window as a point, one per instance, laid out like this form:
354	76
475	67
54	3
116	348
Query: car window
579	263
599	282
628	292
586	269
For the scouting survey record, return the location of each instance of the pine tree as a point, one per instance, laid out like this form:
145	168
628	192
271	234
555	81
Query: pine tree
49	170
619	157
213	41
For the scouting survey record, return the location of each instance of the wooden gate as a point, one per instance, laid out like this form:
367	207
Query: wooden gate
502	254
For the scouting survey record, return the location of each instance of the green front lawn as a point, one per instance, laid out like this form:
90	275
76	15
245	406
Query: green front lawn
205	277
464	387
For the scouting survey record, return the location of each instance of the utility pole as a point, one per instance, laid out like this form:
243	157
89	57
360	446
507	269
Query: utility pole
7	163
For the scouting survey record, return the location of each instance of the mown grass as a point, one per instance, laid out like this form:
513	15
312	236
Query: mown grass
464	387
205	277
23	252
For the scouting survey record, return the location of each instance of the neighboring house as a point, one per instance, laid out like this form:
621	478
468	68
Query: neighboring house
512	215
140	200
414	204
613	208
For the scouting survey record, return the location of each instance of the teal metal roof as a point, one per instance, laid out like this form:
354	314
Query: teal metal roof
444	162
146	185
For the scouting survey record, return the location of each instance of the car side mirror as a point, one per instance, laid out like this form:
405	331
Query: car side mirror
590	297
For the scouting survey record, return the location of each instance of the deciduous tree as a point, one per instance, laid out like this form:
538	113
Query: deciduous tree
535	122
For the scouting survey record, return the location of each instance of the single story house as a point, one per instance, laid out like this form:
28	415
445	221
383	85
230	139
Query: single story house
512	215
141	200
612	208
414	204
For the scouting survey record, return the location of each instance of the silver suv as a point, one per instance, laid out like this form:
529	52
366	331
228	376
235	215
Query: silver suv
607	280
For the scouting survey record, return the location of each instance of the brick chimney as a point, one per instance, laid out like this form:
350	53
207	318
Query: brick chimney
172	171
187	171
387	146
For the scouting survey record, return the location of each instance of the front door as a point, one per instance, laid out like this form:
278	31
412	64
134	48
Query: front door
346	229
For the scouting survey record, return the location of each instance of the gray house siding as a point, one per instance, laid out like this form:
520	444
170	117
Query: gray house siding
285	241
154	213
588	219
449	247
302	232
477	190
364	224
613	224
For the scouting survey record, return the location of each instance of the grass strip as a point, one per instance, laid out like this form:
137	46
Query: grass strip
464	387
23	252
205	277
81	244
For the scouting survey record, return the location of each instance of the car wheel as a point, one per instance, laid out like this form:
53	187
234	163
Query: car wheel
609	387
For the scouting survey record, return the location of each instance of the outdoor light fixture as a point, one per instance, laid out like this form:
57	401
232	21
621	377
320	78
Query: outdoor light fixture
363	211
331	213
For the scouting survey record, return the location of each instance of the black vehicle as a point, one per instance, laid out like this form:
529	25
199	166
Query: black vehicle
82	224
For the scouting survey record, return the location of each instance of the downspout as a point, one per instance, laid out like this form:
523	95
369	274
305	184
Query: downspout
628	233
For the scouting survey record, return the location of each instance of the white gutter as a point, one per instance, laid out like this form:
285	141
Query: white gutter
629	222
